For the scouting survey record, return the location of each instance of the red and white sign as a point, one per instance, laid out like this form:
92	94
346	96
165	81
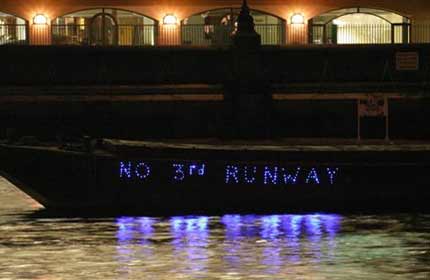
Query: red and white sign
373	106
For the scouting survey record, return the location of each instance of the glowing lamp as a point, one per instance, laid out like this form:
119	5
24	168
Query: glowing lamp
40	19
338	22
297	19
170	19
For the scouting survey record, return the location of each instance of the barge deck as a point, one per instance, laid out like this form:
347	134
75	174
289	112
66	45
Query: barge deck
213	175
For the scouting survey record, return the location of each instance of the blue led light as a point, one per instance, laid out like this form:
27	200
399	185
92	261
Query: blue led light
249	175
313	175
237	174
125	170
192	168
144	172
179	172
182	170
331	174
290	178
231	171
195	168
270	176
201	170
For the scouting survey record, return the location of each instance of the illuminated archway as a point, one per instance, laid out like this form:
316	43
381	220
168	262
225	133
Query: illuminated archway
359	26
215	27
13	30
104	27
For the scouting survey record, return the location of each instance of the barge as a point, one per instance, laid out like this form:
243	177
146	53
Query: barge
216	176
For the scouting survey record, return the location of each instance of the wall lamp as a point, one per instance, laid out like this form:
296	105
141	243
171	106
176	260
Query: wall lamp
297	19
170	19
40	19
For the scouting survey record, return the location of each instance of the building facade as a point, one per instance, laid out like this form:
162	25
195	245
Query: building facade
212	22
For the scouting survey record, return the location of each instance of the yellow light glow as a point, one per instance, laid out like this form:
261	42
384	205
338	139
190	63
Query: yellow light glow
40	19
170	19
297	19
82	24
338	22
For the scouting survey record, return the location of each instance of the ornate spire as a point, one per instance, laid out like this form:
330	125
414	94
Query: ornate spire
245	5
245	36
245	22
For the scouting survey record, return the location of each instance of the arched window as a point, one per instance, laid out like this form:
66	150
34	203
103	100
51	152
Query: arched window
359	26
104	27
215	27
13	30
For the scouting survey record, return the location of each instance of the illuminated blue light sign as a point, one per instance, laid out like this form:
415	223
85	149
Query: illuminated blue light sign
249	174
182	170
230	174
275	175
313	177
138	170
270	175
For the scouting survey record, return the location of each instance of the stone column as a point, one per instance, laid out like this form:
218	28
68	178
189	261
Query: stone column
247	94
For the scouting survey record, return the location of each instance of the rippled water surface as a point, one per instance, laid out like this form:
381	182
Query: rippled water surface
312	246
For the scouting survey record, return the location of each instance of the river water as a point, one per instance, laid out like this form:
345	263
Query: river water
285	246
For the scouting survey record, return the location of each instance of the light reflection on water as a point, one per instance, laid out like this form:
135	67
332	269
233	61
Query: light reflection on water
273	241
312	246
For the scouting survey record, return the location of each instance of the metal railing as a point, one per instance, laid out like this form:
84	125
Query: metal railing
355	34
137	35
13	34
199	35
370	34
420	33
119	35
212	35
219	35
70	34
271	34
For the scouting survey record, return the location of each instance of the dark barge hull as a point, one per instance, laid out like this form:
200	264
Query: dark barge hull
145	177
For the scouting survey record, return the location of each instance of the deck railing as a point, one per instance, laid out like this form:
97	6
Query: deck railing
199	35
360	34
70	34
16	34
271	34
213	35
420	33
137	35
218	35
120	35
